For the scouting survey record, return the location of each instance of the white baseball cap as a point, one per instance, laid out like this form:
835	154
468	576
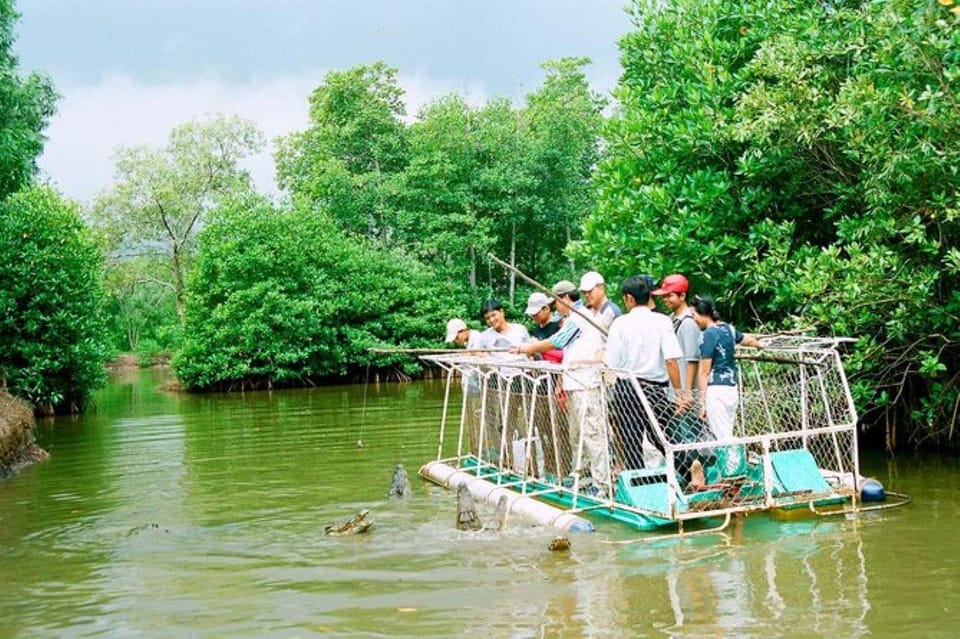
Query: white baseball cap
589	280
454	327
535	302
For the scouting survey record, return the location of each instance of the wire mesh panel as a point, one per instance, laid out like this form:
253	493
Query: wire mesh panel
604	439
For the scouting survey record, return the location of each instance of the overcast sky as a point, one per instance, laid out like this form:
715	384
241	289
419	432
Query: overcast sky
131	70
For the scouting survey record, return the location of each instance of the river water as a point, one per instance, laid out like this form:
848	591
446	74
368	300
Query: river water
163	514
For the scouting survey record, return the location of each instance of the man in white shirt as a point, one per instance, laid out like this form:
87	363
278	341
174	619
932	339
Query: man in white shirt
643	342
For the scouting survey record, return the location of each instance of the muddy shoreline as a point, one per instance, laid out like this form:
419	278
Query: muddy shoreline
18	447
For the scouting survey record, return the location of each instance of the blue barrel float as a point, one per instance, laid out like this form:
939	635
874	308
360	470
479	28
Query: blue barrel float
872	491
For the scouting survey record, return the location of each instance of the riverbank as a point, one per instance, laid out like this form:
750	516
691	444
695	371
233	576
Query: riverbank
18	448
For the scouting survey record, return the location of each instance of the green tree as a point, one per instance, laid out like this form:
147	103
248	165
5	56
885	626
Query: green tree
26	104
799	161
161	197
285	298
565	118
440	220
52	336
141	308
506	184
345	163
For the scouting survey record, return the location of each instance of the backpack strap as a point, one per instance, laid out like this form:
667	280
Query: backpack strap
677	323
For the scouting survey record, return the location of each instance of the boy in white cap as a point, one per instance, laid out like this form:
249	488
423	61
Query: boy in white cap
459	333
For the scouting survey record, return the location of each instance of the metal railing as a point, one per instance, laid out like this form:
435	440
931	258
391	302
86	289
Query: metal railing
595	438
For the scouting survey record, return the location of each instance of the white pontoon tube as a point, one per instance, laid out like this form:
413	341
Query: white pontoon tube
538	512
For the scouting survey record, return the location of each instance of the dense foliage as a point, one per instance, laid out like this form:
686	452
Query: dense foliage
26	104
800	161
459	181
388	228
141	308
282	297
51	331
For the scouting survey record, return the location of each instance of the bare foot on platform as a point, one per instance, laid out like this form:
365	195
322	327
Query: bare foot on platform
697	478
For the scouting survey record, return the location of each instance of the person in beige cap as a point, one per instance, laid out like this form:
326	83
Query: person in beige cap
568	297
538	309
459	333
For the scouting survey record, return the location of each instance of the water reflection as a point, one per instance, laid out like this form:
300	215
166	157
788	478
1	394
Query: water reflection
763	577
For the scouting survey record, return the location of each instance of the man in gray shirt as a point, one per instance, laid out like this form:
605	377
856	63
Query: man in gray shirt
673	292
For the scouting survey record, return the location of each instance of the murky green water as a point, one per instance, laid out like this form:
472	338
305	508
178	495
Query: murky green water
202	516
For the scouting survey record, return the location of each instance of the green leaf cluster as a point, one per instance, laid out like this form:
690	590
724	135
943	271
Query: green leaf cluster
457	182
282	297
26	104
799	161
51	328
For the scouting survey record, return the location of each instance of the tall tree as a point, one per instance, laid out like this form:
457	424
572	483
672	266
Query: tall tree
348	159
161	197
26	104
565	119
439	217
507	183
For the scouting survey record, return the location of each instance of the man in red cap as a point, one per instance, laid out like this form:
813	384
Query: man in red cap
673	291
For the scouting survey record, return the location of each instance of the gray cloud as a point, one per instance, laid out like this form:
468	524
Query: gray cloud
94	121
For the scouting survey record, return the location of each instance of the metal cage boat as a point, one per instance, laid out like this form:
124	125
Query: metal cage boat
576	444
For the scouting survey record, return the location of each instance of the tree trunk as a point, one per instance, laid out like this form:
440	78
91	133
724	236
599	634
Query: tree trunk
178	286
513	259
473	267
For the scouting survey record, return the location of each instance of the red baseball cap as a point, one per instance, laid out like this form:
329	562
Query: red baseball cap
675	283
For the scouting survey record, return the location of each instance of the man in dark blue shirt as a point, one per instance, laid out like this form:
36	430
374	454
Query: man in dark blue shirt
545	323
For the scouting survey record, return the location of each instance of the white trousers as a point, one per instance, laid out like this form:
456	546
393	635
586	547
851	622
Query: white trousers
722	409
721	403
586	419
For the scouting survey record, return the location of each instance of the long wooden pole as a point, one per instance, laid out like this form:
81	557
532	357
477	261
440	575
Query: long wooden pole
543	289
437	350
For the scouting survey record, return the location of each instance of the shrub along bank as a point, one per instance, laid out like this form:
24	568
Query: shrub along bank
281	298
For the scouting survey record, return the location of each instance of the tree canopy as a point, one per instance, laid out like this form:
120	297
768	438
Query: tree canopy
459	180
161	196
800	162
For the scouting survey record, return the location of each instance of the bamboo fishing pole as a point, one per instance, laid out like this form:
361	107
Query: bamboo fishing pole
426	351
544	289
